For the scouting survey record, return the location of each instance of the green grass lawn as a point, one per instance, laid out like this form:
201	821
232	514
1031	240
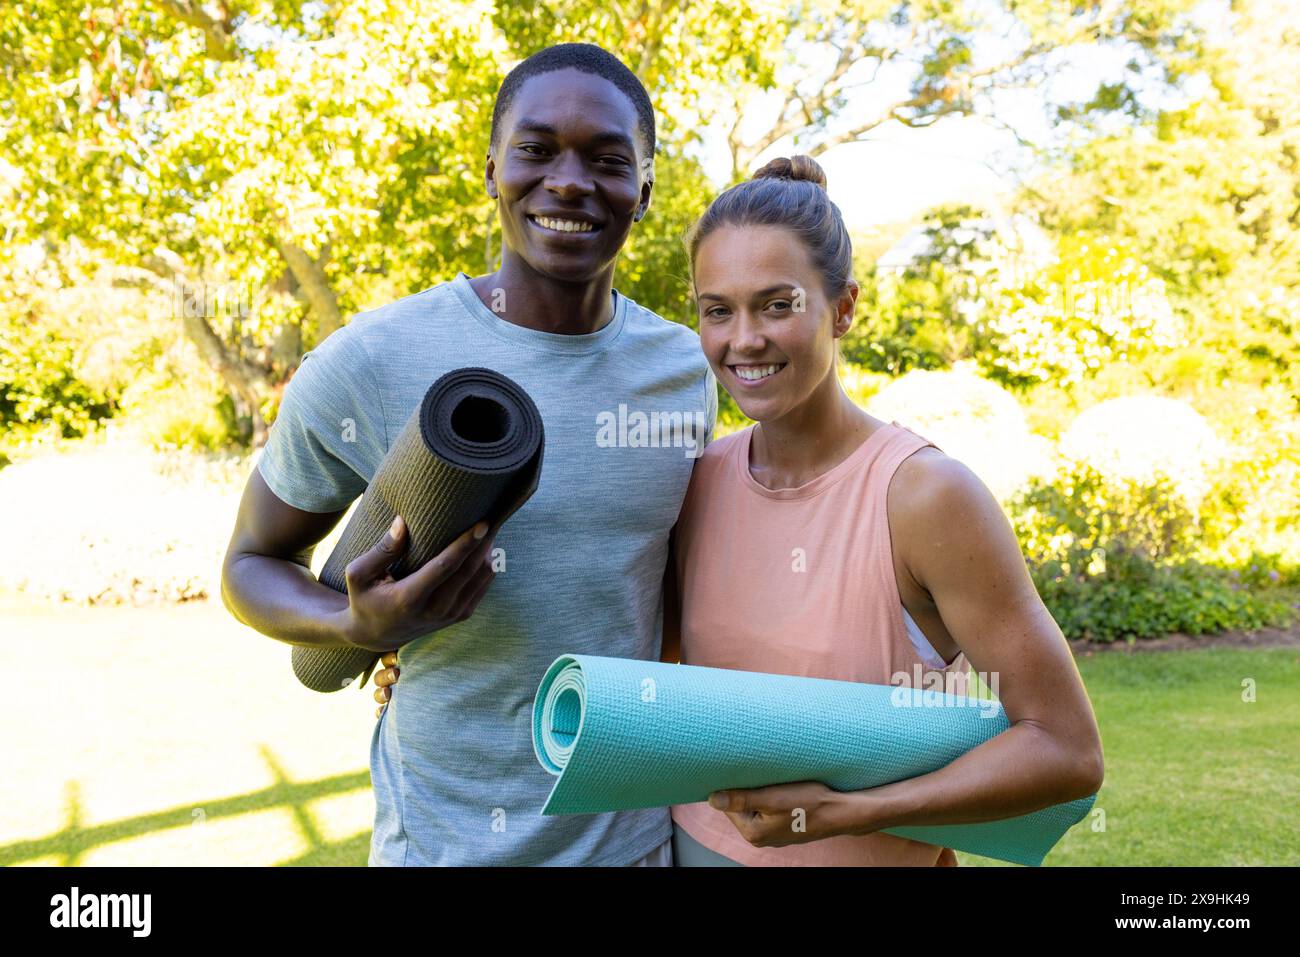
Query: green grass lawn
175	736
1194	774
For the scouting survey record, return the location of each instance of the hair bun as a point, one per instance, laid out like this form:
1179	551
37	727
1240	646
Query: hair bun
801	167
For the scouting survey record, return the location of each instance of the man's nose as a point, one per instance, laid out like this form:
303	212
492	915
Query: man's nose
568	177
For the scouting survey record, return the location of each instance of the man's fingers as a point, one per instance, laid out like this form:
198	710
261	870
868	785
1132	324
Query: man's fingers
372	565
383	695
389	660
386	676
473	592
422	582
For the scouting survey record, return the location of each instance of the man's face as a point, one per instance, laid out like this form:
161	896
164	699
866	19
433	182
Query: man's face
567	171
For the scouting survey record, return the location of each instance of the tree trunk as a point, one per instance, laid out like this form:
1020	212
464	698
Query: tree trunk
314	287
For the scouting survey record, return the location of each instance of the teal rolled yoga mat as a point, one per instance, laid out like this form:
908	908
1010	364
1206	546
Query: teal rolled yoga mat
624	734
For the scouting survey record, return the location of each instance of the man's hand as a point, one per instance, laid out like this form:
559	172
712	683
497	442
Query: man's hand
384	681
384	613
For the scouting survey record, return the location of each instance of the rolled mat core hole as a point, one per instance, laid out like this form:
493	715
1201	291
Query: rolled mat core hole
565	716
480	420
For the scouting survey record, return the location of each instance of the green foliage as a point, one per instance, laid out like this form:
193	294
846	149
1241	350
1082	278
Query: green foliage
43	393
80	346
917	316
1113	561
653	268
1148	601
1074	521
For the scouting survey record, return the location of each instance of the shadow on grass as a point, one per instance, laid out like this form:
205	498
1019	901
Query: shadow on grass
74	840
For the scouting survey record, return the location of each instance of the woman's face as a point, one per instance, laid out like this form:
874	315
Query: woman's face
766	324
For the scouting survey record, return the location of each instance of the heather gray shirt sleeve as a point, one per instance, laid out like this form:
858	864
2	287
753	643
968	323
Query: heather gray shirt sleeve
328	437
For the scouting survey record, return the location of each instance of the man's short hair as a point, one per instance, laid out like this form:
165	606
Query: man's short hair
586	58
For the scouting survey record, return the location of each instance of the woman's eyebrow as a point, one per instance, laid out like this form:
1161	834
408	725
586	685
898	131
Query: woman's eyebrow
759	294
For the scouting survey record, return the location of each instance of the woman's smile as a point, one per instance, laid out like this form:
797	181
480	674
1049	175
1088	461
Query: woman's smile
755	375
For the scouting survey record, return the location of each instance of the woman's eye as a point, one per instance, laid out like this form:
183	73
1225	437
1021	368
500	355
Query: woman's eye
717	312
781	305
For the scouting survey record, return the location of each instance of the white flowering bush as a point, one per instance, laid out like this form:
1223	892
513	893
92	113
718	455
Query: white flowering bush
1068	333
1142	438
970	419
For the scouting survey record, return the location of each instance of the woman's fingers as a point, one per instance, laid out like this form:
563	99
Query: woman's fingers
389	660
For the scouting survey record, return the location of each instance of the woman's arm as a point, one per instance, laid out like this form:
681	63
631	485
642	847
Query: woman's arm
959	546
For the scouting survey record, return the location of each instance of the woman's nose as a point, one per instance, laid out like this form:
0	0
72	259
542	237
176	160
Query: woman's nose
749	335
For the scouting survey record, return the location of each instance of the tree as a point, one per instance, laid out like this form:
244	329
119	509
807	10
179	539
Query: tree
284	163
273	154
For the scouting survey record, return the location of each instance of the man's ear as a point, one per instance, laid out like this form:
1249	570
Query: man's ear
490	175
647	187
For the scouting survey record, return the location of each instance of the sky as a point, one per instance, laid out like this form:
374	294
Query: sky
901	172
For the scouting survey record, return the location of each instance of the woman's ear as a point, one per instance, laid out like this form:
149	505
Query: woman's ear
844	307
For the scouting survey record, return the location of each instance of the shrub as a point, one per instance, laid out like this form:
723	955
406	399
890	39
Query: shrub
969	418
1113	560
1143	438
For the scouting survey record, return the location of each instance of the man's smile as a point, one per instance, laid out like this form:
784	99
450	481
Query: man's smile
565	224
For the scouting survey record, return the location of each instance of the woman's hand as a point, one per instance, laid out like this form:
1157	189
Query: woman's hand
384	681
783	813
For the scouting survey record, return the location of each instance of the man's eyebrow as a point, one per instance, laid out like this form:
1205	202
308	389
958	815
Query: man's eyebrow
616	137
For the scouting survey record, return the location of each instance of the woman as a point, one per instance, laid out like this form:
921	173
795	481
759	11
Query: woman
824	542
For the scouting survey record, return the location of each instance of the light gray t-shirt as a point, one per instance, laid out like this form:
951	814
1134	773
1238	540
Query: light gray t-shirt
626	411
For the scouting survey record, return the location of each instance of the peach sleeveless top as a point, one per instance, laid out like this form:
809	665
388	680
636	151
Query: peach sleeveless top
800	581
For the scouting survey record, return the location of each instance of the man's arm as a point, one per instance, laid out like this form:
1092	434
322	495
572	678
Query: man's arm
266	578
267	583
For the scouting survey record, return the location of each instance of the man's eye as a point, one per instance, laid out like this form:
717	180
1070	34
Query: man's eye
717	312
781	305
532	149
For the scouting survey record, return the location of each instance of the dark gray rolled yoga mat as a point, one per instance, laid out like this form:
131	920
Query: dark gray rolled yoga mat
471	451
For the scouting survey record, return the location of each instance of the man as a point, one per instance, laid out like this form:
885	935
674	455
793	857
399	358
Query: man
456	782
